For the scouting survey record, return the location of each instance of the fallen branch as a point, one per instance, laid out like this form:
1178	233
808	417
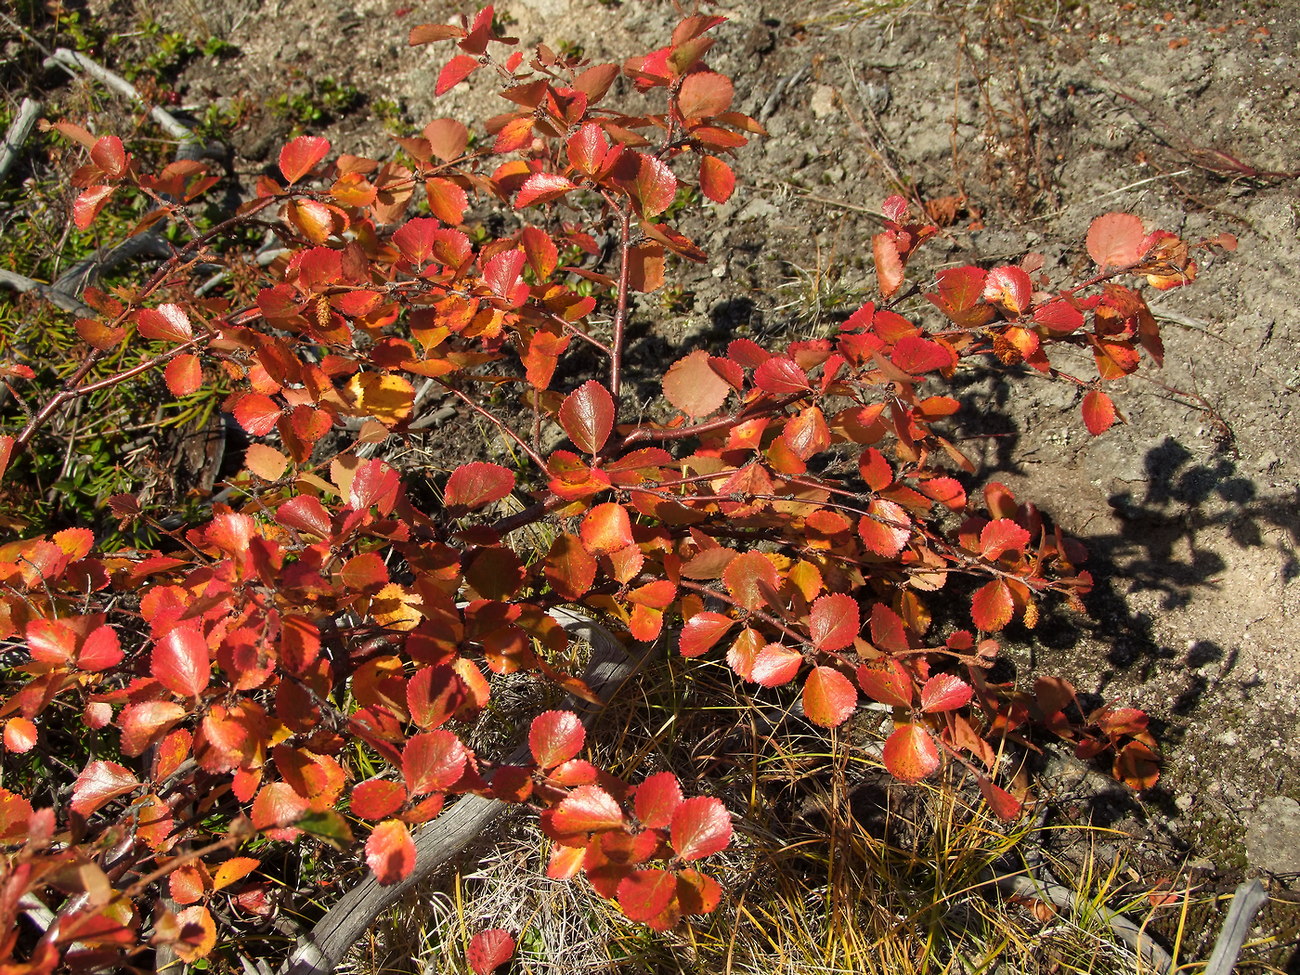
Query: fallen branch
62	57
16	137
50	292
320	951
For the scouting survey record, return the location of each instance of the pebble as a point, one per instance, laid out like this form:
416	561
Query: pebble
1273	836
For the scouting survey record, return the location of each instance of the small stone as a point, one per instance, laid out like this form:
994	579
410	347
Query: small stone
1273	836
823	101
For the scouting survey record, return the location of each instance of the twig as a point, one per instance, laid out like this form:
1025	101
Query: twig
71	59
774	99
17	135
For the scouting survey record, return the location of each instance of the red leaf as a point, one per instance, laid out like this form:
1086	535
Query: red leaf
587	415
305	514
377	798
19	735
587	809
606	528
781	376
694	387
454	72
108	155
569	567
717	181
1001	536
489	950
1004	805
834	621
828	697
167	323
889	263
1009	287
657	798
390	852
447	201
299	156
434	695
888	684
806	433
748	577
587	148
910	753
87	205
555	737
181	662
654	187
100	783
447	138
945	692
542	188
1116	240
885	529
476	485
257	414
700	828
704	94
1137	766
1098	412
915	355
541	252
992	607
15	816
775	665
503	270
645	894
702	631
433	762
100	650
183	375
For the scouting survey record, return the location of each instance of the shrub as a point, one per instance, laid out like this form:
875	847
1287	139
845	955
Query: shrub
310	659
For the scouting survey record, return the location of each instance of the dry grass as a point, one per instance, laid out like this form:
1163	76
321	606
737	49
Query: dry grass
834	868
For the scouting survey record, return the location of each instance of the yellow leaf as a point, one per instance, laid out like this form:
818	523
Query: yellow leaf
387	397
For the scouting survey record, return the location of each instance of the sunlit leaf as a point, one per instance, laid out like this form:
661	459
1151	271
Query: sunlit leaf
693	386
1098	412
700	827
476	485
834	621
828	697
299	156
489	950
1116	240
587	809
99	783
910	753
587	415
555	737
390	852
944	692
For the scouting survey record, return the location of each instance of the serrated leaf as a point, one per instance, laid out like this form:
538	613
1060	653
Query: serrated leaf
447	201
992	606
834	621
888	683
434	695
569	567
543	188
889	263
704	94
587	809
717	181
1116	240
749	577
386	396
20	735
265	461
644	894
433	762
257	414
1009	287
108	155
555	737
476	485
180	660
233	870
654	187
166	323
916	355
1098	412
390	852
489	950
694	387
700	828
828	697
945	692
99	783
86	207
1002	536
606	528
454	72
587	415
1137	766
702	631
781	376
299	156
885	529
910	753
198	934
184	374
377	798
775	665
657	798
